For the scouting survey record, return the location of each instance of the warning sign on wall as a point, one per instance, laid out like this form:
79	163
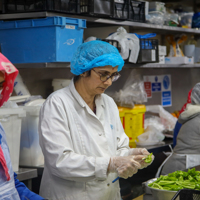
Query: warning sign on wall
162	84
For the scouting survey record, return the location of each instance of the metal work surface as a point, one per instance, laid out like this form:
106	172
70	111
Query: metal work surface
160	147
26	174
96	20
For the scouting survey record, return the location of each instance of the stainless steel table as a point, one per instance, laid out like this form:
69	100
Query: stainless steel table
26	175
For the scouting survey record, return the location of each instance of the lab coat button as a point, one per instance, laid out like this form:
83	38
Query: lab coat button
100	134
108	184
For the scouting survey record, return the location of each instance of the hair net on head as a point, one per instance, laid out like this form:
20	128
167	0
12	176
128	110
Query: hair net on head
95	54
195	95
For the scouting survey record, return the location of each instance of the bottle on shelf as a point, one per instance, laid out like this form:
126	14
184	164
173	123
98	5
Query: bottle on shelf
197	51
190	46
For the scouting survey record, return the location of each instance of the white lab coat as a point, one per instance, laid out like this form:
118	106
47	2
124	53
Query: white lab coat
77	146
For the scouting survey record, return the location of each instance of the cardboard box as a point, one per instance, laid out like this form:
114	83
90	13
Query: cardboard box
179	60
162	50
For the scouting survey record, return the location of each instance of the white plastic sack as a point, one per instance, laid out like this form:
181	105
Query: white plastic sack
90	39
167	119
152	133
128	42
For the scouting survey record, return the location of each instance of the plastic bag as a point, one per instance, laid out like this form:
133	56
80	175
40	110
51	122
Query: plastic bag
128	42
155	17
132	92
187	20
171	18
10	104
167	119
152	133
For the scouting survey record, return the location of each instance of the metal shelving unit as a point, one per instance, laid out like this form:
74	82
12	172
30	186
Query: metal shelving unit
67	65
43	65
92	21
101	21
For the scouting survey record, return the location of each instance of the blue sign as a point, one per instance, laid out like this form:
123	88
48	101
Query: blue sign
156	87
166	98
166	82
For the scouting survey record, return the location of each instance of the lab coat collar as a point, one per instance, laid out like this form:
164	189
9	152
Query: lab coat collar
98	100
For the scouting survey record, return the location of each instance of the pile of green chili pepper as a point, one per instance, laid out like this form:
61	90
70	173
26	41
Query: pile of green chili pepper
178	180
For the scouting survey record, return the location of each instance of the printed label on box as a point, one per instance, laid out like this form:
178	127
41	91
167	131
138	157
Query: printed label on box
69	26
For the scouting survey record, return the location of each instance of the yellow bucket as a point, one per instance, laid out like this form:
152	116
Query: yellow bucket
133	122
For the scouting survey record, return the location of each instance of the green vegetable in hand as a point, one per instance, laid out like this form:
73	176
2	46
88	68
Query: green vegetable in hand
148	159
178	180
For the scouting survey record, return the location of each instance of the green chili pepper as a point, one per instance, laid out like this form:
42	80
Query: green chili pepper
172	178
158	186
178	180
176	187
148	159
166	182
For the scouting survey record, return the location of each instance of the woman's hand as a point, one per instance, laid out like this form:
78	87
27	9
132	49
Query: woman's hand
141	151
125	166
138	151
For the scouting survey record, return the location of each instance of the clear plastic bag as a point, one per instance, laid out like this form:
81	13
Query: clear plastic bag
151	136
152	133
132	92
186	19
171	17
167	119
155	17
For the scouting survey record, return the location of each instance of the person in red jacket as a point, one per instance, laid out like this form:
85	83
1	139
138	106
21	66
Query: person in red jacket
10	187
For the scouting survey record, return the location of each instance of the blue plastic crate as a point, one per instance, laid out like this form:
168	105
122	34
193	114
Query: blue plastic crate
51	39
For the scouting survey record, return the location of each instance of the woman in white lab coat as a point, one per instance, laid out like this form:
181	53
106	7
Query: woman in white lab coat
81	136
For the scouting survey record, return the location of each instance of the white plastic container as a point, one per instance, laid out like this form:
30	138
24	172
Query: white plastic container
60	83
30	151
179	60
157	6
11	119
162	50
19	86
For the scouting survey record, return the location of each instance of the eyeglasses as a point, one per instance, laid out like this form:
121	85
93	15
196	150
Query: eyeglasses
105	77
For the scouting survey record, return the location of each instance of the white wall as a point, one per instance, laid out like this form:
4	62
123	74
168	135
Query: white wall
39	81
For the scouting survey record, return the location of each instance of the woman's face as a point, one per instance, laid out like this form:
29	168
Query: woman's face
94	84
2	79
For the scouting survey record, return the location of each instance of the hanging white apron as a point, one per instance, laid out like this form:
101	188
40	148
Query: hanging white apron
192	160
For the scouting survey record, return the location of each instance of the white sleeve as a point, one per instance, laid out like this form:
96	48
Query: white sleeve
57	147
122	138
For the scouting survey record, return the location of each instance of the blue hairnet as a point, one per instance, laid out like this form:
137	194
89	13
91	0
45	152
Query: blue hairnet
195	94
95	54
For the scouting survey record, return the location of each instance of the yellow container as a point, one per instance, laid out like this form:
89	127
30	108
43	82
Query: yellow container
133	122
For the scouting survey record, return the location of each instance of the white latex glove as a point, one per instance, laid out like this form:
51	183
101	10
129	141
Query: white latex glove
138	151
141	151
125	166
